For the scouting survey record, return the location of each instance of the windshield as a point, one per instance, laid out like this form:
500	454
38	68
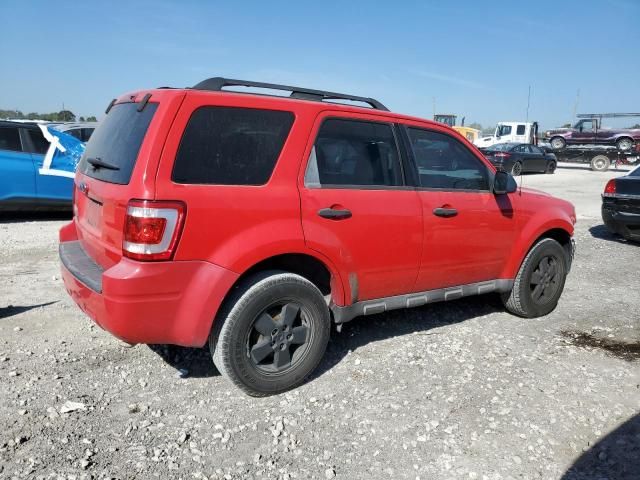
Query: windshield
116	142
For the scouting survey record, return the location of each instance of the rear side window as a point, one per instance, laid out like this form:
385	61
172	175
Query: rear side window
231	146
355	153
40	144
10	139
117	142
520	130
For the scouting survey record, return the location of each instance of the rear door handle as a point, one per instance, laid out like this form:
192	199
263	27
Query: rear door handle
445	212
334	214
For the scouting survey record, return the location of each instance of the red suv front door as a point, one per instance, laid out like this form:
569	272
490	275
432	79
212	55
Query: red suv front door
468	231
356	209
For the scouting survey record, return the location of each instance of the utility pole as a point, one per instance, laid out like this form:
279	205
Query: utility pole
434	107
575	106
528	103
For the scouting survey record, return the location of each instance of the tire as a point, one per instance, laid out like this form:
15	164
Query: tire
624	143
524	299
551	167
516	170
253	342
600	163
558	143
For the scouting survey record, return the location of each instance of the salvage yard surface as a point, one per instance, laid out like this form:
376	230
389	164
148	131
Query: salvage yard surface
454	390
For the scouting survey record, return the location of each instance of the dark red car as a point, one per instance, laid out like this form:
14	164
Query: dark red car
590	132
253	222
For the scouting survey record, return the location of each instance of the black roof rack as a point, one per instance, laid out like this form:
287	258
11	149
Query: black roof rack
218	83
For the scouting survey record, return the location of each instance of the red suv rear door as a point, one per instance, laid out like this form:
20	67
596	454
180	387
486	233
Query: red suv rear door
468	231
356	207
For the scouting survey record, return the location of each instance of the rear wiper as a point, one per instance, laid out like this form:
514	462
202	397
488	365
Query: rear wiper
97	162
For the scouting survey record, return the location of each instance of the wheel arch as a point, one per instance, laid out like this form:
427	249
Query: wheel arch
560	230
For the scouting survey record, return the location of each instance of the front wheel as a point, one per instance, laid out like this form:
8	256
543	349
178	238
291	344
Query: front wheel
540	281
558	143
271	334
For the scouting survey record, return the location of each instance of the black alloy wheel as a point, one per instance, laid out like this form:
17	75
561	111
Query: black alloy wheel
278	339
545	280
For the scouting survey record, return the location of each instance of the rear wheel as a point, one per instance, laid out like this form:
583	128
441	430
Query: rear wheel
624	143
551	166
540	281
600	163
558	143
516	169
271	334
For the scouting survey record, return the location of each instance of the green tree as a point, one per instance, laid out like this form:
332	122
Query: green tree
66	116
475	125
92	119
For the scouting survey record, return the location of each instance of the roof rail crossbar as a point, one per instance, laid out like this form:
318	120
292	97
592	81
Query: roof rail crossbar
218	83
607	115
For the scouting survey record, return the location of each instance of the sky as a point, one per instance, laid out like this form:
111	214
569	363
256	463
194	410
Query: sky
476	59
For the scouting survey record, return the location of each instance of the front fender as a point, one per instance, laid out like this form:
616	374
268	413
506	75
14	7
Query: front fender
534	228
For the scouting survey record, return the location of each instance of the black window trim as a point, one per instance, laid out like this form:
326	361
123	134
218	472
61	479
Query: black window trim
414	164
330	186
252	185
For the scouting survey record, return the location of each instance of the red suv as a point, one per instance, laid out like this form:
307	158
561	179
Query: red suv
252	222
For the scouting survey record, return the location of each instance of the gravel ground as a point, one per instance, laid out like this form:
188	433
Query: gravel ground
455	390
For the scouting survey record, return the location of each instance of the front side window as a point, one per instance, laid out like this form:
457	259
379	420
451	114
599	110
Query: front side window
520	149
520	130
535	150
586	125
445	163
10	139
231	146
504	130
354	152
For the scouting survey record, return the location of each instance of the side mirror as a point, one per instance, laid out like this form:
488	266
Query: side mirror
504	183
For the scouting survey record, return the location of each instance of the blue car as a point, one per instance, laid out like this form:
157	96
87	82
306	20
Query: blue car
37	166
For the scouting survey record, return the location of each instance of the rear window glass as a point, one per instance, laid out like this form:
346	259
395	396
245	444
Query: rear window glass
117	142
231	146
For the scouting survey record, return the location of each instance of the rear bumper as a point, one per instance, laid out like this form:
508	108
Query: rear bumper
623	223
147	302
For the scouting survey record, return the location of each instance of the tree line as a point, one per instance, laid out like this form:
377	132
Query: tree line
61	116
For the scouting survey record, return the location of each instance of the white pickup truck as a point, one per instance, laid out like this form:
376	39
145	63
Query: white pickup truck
510	132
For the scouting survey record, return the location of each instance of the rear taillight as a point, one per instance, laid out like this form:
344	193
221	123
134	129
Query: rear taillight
610	188
152	229
502	155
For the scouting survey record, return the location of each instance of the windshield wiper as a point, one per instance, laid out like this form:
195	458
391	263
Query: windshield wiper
97	162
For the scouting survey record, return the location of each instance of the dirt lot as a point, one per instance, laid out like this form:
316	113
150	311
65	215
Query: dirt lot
455	390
